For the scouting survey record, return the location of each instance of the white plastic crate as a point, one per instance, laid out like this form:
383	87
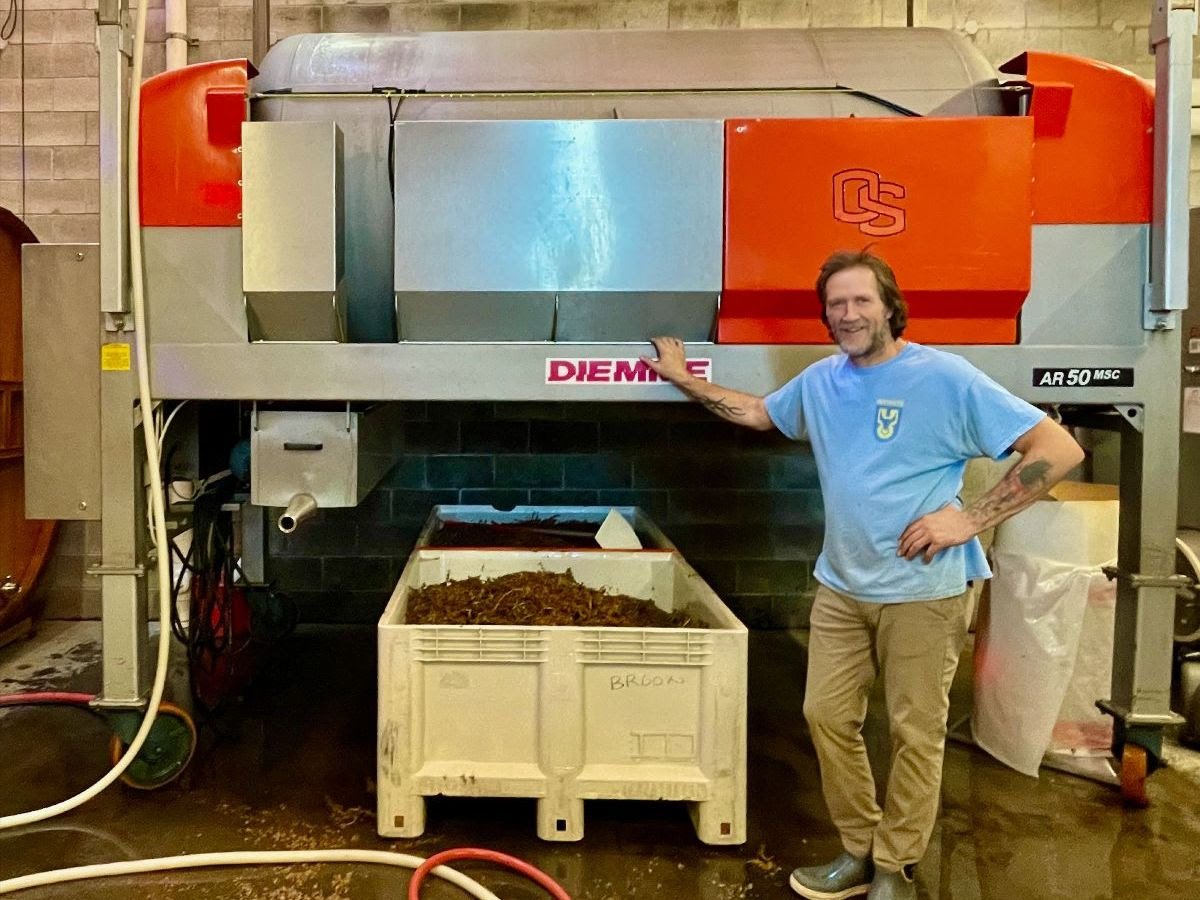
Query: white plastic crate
564	714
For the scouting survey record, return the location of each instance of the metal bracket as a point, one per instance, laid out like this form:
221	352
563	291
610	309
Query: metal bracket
1122	714
180	36
1160	19
139	571
1133	414
1137	581
118	322
99	704
1155	320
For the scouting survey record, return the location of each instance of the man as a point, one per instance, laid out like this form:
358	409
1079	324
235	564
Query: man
892	424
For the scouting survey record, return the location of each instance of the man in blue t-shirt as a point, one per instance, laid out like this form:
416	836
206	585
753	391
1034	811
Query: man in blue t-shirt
892	425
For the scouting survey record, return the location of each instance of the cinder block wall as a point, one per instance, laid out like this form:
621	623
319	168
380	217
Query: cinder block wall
744	508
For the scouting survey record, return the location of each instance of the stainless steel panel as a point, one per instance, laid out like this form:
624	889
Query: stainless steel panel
61	333
413	371
194	285
289	206
881	61
303	452
291	225
1086	285
619	316
367	247
316	316
574	206
474	316
378	442
335	456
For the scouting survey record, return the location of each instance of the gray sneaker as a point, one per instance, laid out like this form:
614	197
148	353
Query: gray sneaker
892	886
846	876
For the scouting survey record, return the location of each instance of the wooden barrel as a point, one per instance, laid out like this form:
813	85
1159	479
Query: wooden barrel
24	544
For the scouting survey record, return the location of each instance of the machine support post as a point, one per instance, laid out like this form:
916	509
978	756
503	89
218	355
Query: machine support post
1145	613
124	617
122	518
1172	27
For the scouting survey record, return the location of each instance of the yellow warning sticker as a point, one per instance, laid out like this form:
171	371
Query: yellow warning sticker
114	358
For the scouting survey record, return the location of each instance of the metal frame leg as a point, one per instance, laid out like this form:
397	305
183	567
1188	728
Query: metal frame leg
124	618
123	603
1143	635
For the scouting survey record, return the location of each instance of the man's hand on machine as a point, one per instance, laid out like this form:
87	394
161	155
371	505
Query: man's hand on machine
671	363
932	533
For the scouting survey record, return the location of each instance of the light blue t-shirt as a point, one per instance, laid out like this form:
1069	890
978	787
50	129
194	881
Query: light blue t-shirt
891	442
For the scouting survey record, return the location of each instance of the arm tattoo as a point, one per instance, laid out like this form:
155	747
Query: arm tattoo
719	406
1033	476
1018	487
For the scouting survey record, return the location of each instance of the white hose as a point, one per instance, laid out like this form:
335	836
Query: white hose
162	434
243	858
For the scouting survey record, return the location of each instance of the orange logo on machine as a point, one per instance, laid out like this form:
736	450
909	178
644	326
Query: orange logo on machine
858	198
950	201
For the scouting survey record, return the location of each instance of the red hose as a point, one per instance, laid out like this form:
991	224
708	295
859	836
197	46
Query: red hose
46	697
533	873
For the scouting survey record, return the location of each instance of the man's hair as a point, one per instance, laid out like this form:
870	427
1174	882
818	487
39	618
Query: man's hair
885	278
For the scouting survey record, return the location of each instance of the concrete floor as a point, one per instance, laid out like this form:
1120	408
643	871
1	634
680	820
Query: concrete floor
293	769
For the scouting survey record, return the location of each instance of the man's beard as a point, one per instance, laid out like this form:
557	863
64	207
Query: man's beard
877	342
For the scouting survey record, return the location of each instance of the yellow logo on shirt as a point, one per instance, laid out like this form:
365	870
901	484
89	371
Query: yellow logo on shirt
887	418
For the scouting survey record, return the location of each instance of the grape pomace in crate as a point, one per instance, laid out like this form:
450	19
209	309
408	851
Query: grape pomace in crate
564	714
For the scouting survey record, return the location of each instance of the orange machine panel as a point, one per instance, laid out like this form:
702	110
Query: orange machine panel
947	202
1093	154
190	131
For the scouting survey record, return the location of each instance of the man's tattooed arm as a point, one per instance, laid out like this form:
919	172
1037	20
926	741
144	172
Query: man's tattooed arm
1049	452
732	406
721	407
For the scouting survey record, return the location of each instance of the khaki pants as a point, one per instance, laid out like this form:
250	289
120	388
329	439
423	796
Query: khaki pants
916	646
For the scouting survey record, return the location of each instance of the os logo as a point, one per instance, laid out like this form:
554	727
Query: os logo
859	198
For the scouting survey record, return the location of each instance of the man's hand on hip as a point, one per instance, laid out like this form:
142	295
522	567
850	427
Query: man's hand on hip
932	533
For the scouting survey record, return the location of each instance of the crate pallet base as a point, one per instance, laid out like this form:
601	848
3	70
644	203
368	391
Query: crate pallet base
560	817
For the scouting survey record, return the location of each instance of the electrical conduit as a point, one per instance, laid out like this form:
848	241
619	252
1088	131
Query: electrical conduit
176	26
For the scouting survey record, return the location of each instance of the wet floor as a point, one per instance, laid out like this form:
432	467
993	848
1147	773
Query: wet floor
292	767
